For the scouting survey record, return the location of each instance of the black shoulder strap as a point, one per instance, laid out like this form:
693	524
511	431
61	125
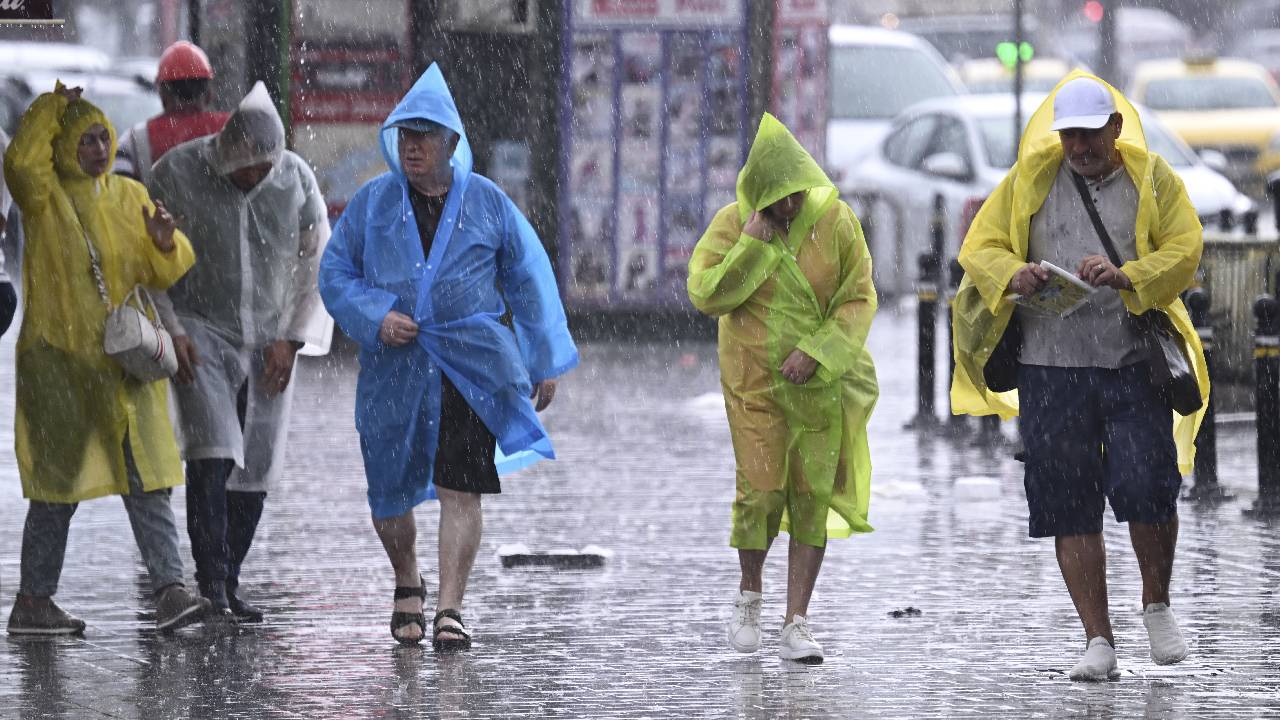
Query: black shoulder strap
1092	209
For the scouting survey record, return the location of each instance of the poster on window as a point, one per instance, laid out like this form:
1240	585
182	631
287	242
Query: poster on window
591	237
799	97
592	85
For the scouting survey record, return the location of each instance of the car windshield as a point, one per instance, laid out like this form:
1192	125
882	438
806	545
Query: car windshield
876	83
1208	93
125	110
997	141
999	85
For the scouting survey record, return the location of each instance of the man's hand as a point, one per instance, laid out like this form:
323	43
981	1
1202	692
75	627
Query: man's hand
279	357
185	348
1098	271
759	227
542	395
799	367
1029	278
160	227
397	329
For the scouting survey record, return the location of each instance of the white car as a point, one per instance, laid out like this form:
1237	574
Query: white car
961	148
875	74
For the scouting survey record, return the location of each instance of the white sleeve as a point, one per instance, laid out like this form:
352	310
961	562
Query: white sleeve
168	316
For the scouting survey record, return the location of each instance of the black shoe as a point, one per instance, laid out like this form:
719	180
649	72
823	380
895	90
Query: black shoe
243	611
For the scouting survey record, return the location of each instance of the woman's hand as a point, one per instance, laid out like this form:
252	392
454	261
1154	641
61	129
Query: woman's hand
1029	278
799	367
759	227
71	94
160	227
1099	272
542	395
397	329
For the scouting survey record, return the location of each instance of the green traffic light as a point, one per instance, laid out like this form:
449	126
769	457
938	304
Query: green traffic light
1009	53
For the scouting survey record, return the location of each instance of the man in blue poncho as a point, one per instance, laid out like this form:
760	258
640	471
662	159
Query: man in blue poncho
421	267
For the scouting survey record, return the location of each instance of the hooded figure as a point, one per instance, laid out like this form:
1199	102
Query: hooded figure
787	271
1094	428
259	225
83	428
423	265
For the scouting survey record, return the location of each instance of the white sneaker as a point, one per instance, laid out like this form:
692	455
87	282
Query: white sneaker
798	643
1167	645
744	624
1098	663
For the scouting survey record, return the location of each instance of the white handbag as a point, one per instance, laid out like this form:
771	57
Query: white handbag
140	345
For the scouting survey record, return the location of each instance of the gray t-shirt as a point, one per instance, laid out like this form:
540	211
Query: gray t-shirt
1095	335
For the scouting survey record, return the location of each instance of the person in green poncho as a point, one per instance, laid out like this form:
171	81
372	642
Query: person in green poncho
787	271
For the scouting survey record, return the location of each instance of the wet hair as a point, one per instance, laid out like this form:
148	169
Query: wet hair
188	90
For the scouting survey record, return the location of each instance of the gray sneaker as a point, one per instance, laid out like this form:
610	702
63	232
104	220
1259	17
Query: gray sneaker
176	608
43	618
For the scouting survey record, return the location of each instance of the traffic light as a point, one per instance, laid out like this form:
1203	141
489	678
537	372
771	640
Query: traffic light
1093	10
1009	53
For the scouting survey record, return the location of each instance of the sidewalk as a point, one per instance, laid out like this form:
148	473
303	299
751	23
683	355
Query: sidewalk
645	470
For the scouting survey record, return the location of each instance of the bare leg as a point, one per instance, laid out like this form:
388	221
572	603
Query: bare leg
1154	546
803	564
399	536
461	523
752	564
1083	561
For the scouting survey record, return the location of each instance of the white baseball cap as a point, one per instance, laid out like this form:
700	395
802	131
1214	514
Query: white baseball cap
1082	103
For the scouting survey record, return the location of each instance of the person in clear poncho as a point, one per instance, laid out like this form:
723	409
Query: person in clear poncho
259	225
422	266
787	271
1095	429
83	428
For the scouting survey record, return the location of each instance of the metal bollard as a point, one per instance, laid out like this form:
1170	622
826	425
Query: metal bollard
930	265
1206	488
1273	189
1226	220
1250	222
1266	363
957	425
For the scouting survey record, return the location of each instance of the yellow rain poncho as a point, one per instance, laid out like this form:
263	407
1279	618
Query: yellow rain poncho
74	404
802	460
1169	243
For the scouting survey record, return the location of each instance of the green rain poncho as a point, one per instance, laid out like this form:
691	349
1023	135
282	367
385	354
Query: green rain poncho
802	460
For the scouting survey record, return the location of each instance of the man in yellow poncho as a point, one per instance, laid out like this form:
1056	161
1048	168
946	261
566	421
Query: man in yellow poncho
83	428
787	271
1094	427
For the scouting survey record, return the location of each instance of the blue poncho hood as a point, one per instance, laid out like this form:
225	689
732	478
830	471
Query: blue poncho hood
428	99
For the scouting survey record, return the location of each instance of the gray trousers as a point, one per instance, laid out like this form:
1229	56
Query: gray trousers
44	537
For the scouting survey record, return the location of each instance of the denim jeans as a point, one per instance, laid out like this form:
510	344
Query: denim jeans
221	524
44	537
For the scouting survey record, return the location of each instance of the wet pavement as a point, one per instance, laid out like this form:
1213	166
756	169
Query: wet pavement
646	471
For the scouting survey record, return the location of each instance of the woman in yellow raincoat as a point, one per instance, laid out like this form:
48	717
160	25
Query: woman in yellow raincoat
83	428
1088	430
787	271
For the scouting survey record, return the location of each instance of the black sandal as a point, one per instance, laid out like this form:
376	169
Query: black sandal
448	645
401	620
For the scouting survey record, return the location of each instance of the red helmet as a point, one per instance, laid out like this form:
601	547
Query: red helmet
183	61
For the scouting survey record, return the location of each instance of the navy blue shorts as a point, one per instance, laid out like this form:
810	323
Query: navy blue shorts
1090	434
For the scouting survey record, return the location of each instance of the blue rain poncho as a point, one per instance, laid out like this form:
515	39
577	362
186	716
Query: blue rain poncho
484	251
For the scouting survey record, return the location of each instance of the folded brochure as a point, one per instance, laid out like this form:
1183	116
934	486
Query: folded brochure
1062	295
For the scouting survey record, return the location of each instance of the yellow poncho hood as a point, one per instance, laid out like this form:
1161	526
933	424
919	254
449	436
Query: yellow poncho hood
1167	236
777	166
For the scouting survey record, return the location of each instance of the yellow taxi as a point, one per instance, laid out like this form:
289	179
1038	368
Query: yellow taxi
1227	105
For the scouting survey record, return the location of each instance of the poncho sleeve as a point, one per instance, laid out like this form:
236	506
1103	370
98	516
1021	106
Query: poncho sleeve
304	319
1177	240
529	286
356	305
987	253
728	266
163	269
837	342
28	162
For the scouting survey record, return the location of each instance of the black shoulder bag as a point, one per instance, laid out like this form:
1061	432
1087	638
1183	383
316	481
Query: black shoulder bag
1166	352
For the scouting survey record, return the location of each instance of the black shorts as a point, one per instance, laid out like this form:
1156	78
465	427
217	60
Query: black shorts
464	455
1094	435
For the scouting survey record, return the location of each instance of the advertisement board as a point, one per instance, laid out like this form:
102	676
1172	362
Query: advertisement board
654	131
